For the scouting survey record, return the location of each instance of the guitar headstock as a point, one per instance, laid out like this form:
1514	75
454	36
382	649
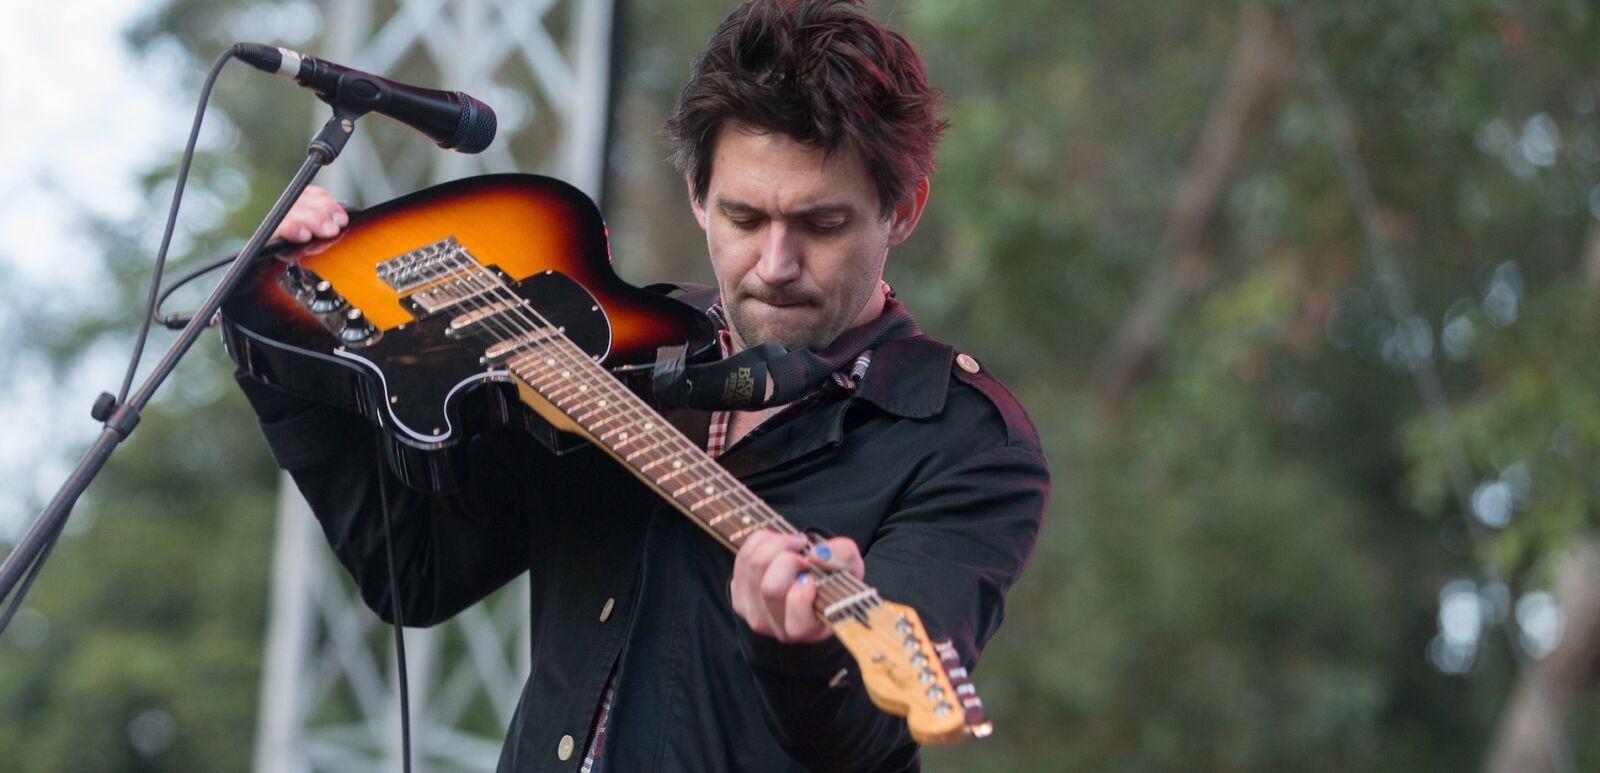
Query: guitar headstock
909	675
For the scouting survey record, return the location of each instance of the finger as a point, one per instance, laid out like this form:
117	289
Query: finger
750	566
300	225
296	230
315	213
839	554
754	555
773	591
800	623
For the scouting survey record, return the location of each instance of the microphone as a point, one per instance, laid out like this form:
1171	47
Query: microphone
452	120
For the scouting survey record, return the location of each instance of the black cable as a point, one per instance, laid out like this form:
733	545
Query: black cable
172	220
177	320
144	326
394	610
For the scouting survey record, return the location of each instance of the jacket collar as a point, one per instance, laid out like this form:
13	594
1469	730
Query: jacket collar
909	378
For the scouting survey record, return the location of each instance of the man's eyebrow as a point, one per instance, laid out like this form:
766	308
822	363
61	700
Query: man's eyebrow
735	207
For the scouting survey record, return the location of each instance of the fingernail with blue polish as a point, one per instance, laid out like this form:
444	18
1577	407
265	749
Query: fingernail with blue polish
802	578
822	551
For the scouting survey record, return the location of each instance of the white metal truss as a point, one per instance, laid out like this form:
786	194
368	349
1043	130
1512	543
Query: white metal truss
329	695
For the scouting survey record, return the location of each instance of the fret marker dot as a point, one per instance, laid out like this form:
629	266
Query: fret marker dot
649	425
566	373
549	360
602	403
623	436
711	489
745	520
676	464
583	387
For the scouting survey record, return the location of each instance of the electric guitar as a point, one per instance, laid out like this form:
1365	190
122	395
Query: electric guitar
491	301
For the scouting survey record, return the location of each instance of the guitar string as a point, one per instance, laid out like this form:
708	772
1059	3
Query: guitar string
485	285
573	357
486	291
609	389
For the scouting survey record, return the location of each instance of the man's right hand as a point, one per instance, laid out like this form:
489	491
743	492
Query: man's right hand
315	214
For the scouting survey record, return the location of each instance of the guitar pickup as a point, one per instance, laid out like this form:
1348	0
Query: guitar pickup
471	286
510	346
460	325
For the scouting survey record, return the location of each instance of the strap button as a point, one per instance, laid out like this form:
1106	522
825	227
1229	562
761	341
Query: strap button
564	749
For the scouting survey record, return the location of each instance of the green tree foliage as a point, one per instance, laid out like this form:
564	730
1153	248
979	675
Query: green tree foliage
1242	566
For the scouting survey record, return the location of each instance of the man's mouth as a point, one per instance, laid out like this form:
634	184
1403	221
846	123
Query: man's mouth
779	303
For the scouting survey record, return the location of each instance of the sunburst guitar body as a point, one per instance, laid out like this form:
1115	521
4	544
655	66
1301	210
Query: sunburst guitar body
379	319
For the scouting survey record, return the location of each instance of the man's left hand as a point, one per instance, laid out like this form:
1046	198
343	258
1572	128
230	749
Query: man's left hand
773	585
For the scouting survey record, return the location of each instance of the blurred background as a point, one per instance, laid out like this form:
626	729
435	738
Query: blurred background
1304	299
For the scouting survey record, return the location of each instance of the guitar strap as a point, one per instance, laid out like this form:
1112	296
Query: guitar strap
741	382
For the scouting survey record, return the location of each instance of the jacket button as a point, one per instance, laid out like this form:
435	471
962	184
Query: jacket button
967	363
605	611
564	749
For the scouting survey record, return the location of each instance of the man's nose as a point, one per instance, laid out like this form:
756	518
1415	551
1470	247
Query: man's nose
781	255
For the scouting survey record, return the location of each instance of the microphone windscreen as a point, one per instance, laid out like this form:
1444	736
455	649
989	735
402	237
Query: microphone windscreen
476	128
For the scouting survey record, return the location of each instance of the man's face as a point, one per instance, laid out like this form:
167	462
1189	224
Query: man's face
796	238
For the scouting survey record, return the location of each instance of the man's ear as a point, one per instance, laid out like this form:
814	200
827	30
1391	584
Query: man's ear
694	204
903	220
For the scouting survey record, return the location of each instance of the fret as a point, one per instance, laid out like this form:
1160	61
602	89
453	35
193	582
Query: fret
619	433
709	488
755	505
611	417
836	607
738	536
663	460
583	417
679	469
665	439
562	391
712	497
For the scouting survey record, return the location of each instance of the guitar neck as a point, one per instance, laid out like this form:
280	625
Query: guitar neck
904	672
628	429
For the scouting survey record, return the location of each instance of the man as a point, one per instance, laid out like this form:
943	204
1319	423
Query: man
806	137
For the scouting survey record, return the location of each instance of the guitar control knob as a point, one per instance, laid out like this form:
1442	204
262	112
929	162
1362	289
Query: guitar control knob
324	299
357	328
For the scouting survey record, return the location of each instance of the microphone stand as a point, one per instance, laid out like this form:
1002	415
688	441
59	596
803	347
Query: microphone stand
120	420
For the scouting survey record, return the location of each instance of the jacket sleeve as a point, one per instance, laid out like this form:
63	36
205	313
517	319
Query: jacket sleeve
450	550
957	542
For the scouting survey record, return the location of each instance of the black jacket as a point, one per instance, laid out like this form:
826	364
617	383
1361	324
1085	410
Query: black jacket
935	472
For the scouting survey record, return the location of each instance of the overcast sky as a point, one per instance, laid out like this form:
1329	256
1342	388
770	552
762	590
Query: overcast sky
79	118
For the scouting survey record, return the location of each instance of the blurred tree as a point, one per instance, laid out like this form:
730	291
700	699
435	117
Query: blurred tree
1256	556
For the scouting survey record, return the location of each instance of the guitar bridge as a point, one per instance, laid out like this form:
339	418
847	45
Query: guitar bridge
425	264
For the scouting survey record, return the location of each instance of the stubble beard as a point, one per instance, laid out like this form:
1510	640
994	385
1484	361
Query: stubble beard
754	333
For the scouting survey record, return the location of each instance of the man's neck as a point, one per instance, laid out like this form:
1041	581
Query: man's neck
740	423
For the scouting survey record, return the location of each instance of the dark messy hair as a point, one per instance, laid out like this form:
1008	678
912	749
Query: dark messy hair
821	72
